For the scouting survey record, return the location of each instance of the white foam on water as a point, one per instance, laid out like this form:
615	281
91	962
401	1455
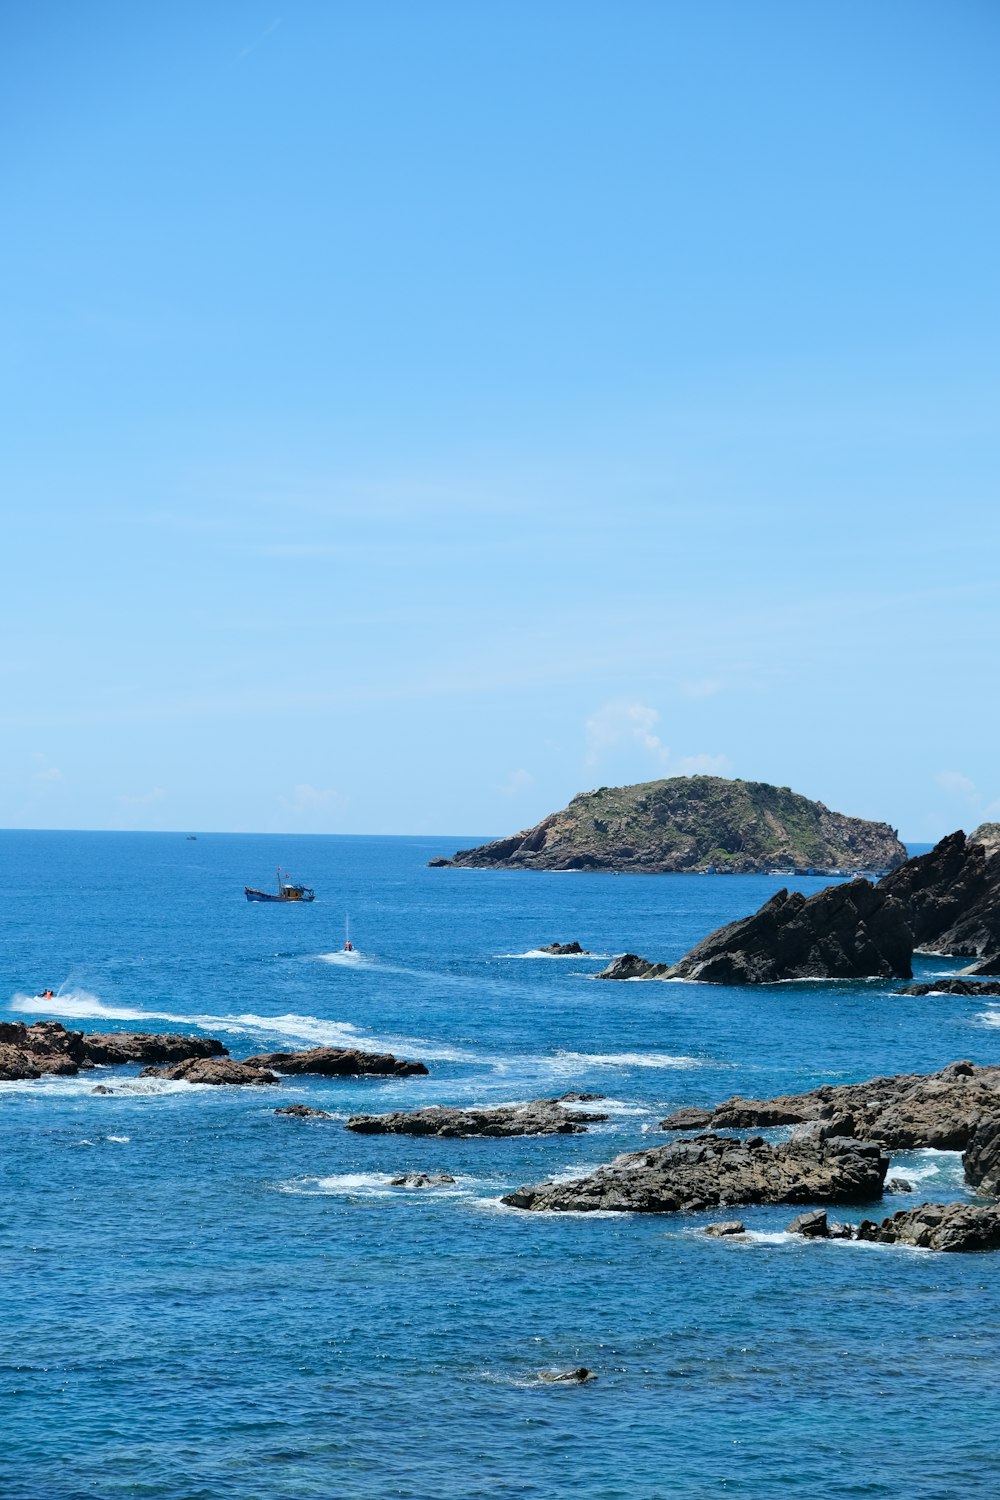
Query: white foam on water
537	953
763	1237
931	1165
352	960
118	1140
369	1185
80	1005
989	1017
627	1060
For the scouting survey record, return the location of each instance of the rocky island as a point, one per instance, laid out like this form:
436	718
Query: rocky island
689	824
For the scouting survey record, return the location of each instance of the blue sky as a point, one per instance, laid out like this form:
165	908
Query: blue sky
419	412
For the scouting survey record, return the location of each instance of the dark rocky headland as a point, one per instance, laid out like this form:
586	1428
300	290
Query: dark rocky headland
693	823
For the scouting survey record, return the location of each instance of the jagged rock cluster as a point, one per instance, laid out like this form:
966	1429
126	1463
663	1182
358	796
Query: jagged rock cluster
339	1062
946	901
956	1227
47	1047
539	1117
706	1170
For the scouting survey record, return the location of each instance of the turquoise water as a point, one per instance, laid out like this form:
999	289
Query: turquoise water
204	1300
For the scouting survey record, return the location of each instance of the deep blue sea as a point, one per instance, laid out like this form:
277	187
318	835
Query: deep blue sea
202	1300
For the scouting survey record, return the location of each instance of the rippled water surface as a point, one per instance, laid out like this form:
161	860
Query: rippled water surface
205	1300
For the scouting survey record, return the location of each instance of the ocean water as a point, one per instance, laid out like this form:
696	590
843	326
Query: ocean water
203	1300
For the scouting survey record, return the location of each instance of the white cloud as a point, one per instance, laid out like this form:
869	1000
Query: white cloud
310	799
517	781
48	774
621	724
958	785
702	687
702	765
144	799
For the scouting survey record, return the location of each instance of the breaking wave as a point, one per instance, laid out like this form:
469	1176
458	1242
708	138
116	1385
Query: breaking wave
80	1005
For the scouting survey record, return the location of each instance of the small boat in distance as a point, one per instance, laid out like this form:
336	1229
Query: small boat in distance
287	891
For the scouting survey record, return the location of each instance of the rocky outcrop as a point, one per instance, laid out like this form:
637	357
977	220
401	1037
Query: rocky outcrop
579	1376
982	1156
563	950
338	1062
539	1117
708	1170
211	1070
303	1112
688	823
951	897
987	834
687	1118
115	1047
48	1048
631	966
932	1226
851	931
970	987
422	1180
988	965
728	1229
899	1112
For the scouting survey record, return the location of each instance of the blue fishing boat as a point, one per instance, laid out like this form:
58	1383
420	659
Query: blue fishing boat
288	890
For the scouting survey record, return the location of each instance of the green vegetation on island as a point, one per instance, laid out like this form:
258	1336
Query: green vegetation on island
693	824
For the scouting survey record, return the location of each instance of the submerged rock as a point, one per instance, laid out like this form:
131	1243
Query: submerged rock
726	1230
631	966
851	931
563	950
938	1226
211	1070
577	1098
539	1117
898	1185
698	1173
422	1180
579	1376
303	1112
338	1062
971	987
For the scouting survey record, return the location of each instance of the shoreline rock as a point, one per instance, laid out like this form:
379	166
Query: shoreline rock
901	1112
216	1070
339	1062
46	1047
967	987
950	1227
539	1117
705	1171
851	931
631	966
951	896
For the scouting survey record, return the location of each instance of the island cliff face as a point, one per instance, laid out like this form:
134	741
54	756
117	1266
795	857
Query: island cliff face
692	823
